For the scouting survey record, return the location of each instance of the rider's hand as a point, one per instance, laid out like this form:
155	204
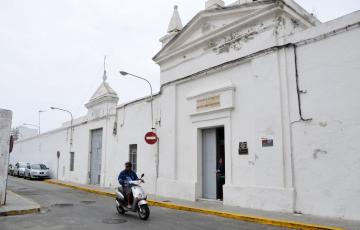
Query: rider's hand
142	180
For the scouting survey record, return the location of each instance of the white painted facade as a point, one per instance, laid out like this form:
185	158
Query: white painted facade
23	132
264	70
5	126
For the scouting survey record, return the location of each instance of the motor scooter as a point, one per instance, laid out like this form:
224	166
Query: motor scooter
139	204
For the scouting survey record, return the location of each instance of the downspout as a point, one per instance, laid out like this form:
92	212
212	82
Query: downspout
298	90
301	119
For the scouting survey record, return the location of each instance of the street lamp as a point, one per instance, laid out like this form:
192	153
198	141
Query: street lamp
71	122
40	111
151	94
27	124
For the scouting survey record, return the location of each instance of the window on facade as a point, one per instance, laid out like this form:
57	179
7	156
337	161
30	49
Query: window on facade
133	156
72	157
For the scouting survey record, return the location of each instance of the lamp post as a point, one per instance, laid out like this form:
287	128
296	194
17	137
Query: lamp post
71	122
40	111
27	124
151	94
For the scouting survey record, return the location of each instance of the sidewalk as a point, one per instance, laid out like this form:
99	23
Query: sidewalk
18	205
218	209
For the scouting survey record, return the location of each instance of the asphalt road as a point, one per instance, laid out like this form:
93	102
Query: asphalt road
65	208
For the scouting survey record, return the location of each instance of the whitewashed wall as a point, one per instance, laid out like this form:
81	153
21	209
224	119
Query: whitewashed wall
326	149
42	149
133	122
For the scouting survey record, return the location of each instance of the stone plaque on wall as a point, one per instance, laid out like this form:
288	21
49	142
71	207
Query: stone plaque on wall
208	102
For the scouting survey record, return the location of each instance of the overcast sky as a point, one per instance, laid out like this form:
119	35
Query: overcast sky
51	52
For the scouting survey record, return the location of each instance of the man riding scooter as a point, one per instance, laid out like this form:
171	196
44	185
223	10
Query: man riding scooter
124	178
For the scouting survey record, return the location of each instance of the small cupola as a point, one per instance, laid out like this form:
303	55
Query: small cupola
103	102
175	26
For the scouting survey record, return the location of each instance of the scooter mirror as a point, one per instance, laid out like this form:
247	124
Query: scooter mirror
142	175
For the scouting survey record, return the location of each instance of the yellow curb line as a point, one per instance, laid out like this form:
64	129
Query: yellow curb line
20	212
248	218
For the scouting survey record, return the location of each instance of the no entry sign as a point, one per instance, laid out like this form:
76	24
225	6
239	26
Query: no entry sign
151	138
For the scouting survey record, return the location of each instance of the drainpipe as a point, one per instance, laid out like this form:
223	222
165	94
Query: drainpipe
301	119
299	91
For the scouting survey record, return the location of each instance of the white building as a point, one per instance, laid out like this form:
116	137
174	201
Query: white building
23	132
263	84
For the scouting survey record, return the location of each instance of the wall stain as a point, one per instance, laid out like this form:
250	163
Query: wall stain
323	124
317	152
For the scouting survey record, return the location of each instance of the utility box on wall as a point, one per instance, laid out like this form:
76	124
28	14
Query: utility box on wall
243	148
5	127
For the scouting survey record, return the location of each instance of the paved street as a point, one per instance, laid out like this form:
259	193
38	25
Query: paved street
64	208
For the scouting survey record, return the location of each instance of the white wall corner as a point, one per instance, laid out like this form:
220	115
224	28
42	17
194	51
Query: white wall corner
5	126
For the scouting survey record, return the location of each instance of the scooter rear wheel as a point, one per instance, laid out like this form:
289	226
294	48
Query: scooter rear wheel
144	212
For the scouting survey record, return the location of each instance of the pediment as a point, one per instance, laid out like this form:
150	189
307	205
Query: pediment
210	22
104	93
103	90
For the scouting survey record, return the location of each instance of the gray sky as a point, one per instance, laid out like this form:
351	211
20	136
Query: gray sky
51	52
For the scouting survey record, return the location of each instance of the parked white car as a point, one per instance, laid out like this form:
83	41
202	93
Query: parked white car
19	169
34	171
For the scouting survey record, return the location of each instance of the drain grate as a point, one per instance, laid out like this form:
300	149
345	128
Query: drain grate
114	221
62	205
87	201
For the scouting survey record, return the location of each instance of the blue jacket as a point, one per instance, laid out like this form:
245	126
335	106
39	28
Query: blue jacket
126	176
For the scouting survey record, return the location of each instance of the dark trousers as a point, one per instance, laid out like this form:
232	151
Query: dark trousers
219	186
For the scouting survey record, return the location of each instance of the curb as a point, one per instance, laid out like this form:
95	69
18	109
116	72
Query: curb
228	215
20	212
25	211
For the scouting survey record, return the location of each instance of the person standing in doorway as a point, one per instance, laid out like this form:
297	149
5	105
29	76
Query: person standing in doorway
220	176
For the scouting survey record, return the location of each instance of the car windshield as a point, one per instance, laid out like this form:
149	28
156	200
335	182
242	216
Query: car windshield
38	166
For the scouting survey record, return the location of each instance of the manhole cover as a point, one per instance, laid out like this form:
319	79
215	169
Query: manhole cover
114	221
62	205
44	210
87	201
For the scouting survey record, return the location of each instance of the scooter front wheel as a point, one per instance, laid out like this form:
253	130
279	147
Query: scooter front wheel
120	210
144	212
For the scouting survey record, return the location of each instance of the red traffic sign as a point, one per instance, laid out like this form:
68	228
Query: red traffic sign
151	138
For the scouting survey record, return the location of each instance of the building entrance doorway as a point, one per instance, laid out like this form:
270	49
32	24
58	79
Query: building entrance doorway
213	158
95	156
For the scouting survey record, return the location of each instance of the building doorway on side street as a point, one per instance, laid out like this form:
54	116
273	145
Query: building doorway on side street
213	158
95	156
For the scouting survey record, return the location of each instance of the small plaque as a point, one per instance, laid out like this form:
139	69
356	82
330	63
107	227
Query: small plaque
209	102
243	149
267	142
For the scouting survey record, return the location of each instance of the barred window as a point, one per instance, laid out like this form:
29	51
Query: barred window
133	156
72	158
